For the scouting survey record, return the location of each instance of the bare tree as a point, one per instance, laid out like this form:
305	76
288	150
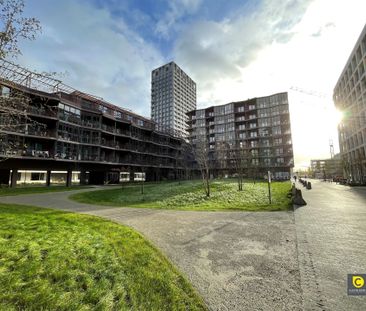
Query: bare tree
201	153
14	104
239	160
14	27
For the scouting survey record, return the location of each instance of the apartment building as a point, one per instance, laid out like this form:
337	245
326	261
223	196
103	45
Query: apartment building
256	130
173	94
350	97
70	131
327	168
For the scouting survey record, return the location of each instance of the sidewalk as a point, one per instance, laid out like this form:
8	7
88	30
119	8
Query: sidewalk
331	233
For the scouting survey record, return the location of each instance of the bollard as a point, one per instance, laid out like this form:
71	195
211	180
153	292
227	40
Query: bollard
293	190
308	185
298	200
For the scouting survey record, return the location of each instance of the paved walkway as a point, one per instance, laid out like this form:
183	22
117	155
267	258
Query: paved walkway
236	260
331	233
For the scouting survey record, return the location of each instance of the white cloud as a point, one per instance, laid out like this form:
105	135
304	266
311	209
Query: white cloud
176	10
217	52
100	53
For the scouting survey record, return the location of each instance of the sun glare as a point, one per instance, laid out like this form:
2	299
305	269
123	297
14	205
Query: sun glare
337	116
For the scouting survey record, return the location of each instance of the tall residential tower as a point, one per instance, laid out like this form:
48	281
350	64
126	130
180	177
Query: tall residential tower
173	94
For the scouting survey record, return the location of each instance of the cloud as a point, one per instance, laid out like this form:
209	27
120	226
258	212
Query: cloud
217	50
176	10
102	55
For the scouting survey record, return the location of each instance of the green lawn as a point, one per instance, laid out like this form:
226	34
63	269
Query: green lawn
188	195
37	189
52	260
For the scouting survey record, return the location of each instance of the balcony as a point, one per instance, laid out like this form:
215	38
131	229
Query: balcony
67	156
26	153
108	128
90	124
108	143
42	111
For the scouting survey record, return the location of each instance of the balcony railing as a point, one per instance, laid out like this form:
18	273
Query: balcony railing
41	111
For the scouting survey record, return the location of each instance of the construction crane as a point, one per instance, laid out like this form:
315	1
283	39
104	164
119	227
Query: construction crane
331	148
310	92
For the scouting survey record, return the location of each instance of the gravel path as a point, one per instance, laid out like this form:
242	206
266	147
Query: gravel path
236	260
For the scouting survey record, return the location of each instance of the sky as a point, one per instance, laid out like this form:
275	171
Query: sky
233	50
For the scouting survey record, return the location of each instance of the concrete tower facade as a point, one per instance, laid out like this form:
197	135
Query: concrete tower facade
173	94
350	98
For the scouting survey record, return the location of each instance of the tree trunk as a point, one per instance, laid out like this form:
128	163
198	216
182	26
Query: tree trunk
207	183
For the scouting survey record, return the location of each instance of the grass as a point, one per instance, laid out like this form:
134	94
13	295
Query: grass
37	189
189	195
52	260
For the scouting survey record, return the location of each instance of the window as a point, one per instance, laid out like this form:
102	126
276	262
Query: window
117	114
276	130
277	141
220	120
229	108
219	110
230	136
103	109
279	151
230	127
200	123
37	176
219	128
200	114
280	160
264	122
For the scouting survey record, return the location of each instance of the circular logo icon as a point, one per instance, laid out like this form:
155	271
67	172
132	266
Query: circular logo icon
358	281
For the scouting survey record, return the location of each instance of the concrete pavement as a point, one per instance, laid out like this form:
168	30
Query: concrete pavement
331	233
